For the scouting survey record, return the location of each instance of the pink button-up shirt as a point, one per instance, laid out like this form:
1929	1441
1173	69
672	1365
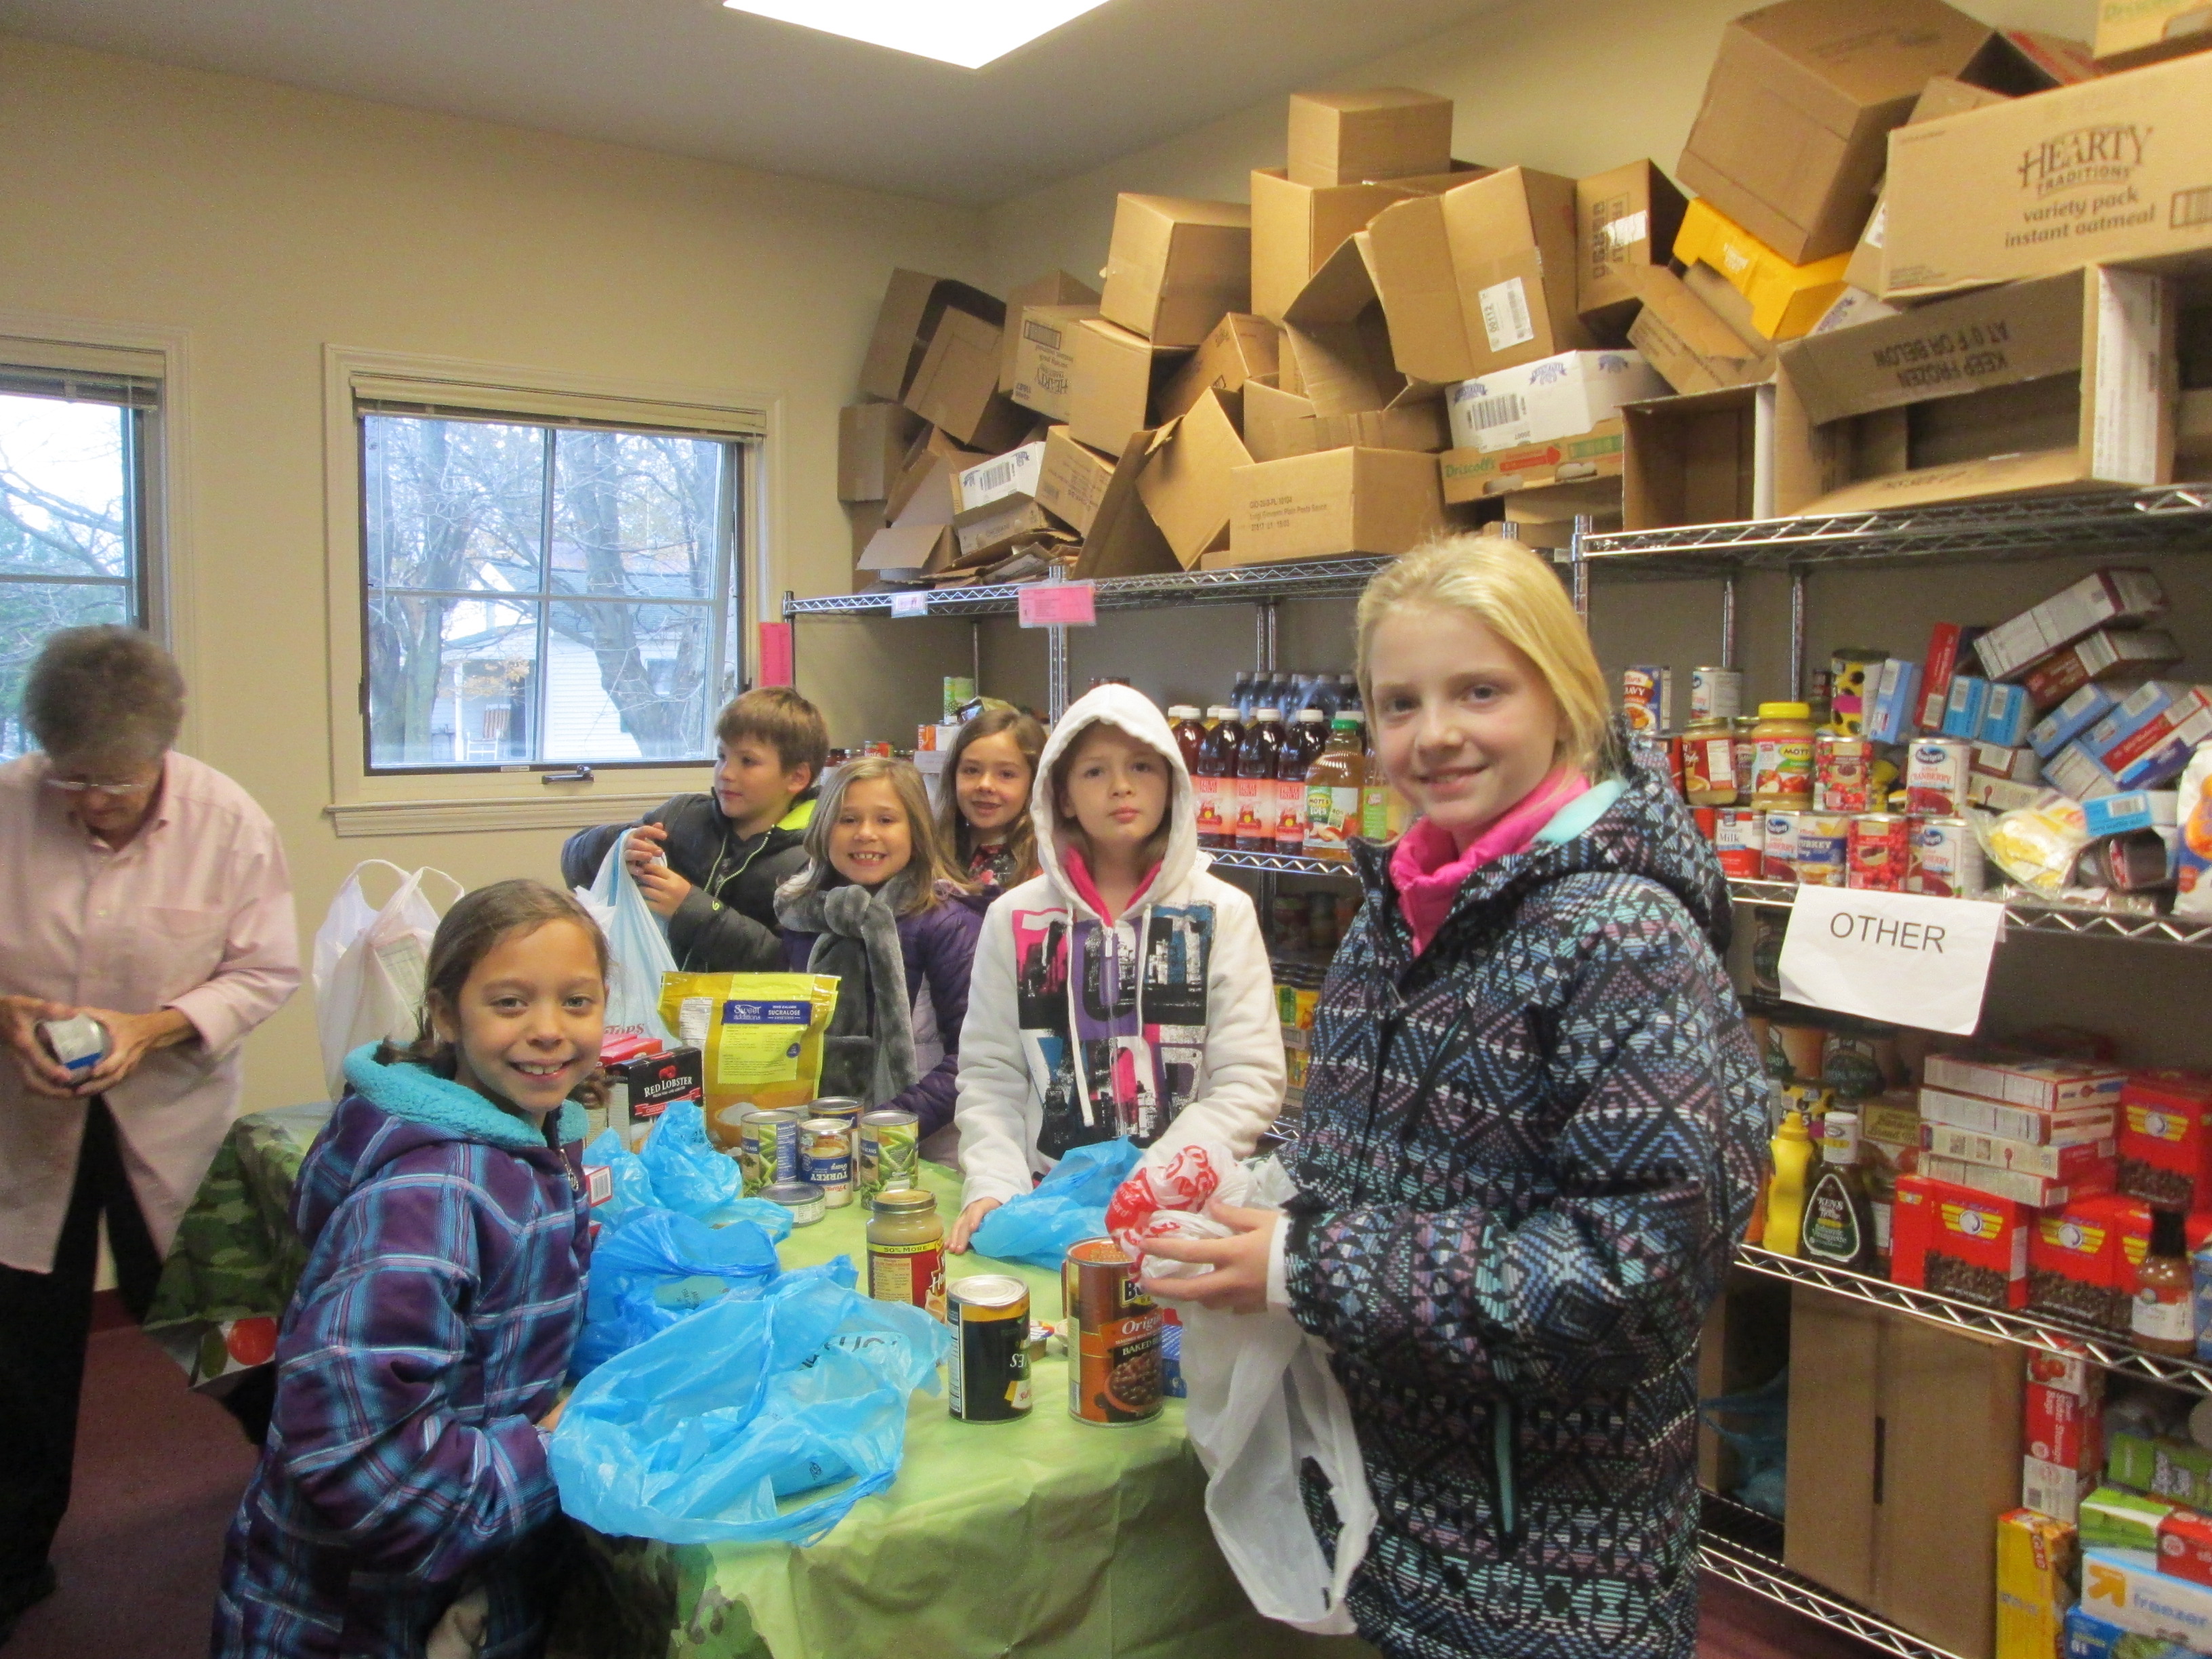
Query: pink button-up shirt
194	913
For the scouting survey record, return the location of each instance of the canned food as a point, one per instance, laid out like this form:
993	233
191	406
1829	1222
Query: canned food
1709	777
1946	859
1803	1050
1881	852
768	1148
1738	839
1843	773
1647	696
1747	752
906	1250
1704	818
1113	1337
987	1375
2137	861
1777	858
1823	848
1935	772
1851	1064
890	1150
802	1198
1716	693
847	1111
825	1148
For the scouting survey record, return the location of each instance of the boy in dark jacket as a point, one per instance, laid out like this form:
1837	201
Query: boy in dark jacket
710	864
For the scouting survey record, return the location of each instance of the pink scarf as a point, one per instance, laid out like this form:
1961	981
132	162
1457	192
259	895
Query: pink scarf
1078	877
1429	868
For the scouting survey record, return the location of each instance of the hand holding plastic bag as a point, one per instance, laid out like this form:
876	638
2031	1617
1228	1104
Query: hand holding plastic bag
1167	1198
1068	1206
698	1435
637	943
661	1266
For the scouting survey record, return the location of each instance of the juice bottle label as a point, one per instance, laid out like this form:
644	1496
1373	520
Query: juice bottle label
1290	816
1206	794
1255	819
1374	813
1332	818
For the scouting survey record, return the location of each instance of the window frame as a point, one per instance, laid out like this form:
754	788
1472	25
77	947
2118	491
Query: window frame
547	794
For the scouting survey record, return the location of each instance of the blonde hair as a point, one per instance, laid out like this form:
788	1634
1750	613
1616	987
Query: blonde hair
1516	595
1070	831
916	888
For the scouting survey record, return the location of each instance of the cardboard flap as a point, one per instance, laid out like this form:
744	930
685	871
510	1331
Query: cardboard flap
1693	349
1055	287
1186	484
927	494
1414	278
1123	541
908	547
1336	330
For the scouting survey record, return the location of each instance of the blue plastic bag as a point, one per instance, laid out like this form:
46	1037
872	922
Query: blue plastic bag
632	1186
699	1434
1069	1205
691	1179
658	1267
637	944
688	1174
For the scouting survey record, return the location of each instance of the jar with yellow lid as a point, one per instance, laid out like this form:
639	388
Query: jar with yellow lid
905	1250
1782	757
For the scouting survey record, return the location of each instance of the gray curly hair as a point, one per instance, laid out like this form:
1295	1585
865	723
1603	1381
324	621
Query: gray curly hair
104	698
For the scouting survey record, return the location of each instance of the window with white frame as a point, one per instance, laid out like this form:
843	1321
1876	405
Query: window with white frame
545	593
74	448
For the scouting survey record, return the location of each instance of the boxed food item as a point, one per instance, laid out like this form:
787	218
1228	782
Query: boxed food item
2074	771
1991	760
2138	809
1471	475
2029	1080
2006	717
2071	718
2111	170
1339	501
2066	1126
1705	457
1480	278
2113	1518
2166	1139
1625	222
1944	646
2001	795
1896	702
871	445
1786	299
956	387
641	1088
1788	141
1043	342
1241	348
1054	291
2035	1582
1690	343
2155	753
2060	1426
2088	1637
1116	377
1969	701
2106	655
2125	1587
2074	1260
1561	397
1188	484
2132	33
2184	1545
2140	709
914	303
1294	227
1376	132
2053	1490
2180	1471
2035	1192
1176	266
2083	1162
1960	1242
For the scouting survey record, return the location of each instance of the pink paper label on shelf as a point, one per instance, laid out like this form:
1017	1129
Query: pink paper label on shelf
775	653
1059	604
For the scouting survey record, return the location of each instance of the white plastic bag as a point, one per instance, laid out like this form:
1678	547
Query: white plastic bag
370	965
637	943
1261	1400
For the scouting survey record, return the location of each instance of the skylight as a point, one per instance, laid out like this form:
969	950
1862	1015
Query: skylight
968	32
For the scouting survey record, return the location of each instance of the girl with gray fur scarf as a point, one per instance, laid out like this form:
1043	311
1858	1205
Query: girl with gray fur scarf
880	906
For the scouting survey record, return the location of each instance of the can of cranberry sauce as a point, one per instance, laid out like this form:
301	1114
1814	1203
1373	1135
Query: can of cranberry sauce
1778	849
1935	772
1113	1336
1880	851
1739	841
1946	859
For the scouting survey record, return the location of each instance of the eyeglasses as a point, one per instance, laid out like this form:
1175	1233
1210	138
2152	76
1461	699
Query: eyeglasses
73	786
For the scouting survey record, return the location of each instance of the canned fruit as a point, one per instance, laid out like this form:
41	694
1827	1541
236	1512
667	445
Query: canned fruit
1842	774
1881	852
1946	859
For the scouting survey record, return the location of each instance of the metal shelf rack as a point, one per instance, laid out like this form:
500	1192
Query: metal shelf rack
1763	1576
1249	584
2028	1330
2028	918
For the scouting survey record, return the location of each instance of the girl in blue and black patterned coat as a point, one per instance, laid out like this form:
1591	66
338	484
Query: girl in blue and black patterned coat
1534	1127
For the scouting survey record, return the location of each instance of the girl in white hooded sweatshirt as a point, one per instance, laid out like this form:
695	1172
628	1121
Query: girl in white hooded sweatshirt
1122	991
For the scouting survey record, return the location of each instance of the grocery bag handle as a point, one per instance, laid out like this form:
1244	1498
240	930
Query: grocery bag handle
354	880
458	887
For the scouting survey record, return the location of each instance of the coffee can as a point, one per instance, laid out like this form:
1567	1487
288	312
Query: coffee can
987	1374
1739	841
1113	1337
1823	848
1935	772
1778	847
1946	859
825	1148
1881	852
768	1148
891	1152
1647	696
1716	693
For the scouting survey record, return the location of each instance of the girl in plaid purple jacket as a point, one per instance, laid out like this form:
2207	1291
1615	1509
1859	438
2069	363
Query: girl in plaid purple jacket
404	1495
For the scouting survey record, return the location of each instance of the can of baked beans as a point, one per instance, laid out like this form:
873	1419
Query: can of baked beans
1647	694
1113	1336
1777	860
1935	772
1716	693
1823	848
986	1375
1843	773
1880	851
1946	859
1739	841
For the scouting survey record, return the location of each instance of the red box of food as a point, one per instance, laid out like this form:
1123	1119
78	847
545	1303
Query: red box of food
2184	1545
1960	1243
2067	1367
2131	1229
2166	1139
1943	647
2063	1429
2073	1259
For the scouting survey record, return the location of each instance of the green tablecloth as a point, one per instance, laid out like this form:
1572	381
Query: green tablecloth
1043	1537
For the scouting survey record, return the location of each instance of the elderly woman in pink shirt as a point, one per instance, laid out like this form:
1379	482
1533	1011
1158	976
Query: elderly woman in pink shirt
147	890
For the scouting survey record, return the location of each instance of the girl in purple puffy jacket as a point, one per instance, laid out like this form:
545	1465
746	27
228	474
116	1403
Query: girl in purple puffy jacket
880	907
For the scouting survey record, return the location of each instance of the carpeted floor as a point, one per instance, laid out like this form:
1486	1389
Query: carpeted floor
159	1471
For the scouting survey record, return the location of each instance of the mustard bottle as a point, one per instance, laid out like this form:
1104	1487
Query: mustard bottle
1792	1147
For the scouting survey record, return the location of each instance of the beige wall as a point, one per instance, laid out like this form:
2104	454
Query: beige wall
266	221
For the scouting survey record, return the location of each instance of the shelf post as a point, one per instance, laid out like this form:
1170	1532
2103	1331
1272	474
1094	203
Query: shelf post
1796	632
1727	620
975	654
1263	620
1055	659
1578	568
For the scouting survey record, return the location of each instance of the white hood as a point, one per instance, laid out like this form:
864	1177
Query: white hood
1134	713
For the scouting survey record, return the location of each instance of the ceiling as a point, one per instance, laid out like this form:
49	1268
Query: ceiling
693	77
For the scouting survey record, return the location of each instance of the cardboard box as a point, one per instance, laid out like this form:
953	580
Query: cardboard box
2132	33
2033	1082
1786	299
2125	1587
914	305
1480	278
1122	539
1745	1343
1625	221
1561	397
1042	344
1176	266
1014	473
1704	459
1959	1242
2074	1259
1071	480
956	387
1278	424
2035	1569
2116	169
1115	378
1336	343
1241	348
2101	656
872	444
1189	484
1474	475
1376	132
1055	289
1789	140
2116	595
909	551
1692	346
1294	227
1943	95
1339	501
1835	1347
2064	383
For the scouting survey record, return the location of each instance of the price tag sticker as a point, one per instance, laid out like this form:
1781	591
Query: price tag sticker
910	604
1058	605
1903	958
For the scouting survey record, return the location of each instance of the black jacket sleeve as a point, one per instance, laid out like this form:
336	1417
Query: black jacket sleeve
708	937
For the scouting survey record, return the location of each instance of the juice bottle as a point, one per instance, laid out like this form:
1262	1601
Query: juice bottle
1189	733
1374	797
1213	780
1240	697
1792	1148
1300	746
1837	1227
1333	784
1255	827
